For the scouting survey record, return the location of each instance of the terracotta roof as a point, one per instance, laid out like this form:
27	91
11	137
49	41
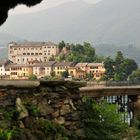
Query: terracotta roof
95	64
67	64
18	65
47	64
81	64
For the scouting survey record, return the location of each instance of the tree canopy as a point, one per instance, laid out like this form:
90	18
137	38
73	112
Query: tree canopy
120	68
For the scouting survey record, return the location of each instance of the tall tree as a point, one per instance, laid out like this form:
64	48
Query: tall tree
109	66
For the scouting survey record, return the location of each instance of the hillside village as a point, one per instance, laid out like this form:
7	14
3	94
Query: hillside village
34	58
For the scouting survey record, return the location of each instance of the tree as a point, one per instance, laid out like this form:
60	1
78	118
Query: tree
135	76
32	77
52	73
120	68
61	45
129	65
102	121
109	66
65	74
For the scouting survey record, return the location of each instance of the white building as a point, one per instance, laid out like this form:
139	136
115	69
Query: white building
26	52
4	70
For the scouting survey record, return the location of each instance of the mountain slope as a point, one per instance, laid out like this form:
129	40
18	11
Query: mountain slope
109	21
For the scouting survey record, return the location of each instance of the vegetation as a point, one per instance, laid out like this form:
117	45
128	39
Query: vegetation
120	68
102	121
32	77
78	52
135	76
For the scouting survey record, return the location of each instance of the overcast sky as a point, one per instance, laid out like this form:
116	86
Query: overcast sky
45	4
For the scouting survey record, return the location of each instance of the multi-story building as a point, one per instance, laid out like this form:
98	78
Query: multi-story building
82	66
43	69
26	52
60	67
76	72
97	69
20	71
4	70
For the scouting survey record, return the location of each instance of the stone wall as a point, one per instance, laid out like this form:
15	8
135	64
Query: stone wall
44	110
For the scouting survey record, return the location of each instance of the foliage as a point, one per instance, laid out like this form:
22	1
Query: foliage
109	66
32	77
102	121
61	45
89	76
32	109
52	130
65	74
77	52
135	76
5	135
120	68
52	73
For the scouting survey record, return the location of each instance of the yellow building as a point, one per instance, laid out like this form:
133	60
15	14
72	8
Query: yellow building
20	71
97	69
77	73
60	67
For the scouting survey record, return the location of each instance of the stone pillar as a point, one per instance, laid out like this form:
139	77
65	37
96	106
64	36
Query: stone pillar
135	105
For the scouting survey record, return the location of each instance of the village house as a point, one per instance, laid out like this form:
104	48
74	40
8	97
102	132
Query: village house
82	66
4	70
76	72
60	67
97	69
26	52
20	71
43	69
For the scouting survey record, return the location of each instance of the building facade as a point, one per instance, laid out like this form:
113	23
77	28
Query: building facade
26	52
43	69
97	69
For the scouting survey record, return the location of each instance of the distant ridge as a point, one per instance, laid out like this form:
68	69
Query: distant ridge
107	22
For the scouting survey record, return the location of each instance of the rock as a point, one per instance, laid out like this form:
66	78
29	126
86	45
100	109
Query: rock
44	108
66	101
60	120
75	116
55	114
65	109
23	112
72	105
21	125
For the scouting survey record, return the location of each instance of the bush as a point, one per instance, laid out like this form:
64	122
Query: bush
102	121
32	77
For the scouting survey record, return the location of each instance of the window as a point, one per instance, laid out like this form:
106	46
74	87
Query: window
24	53
28	53
32	53
40	53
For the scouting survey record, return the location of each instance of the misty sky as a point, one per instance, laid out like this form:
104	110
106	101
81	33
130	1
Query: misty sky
45	4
